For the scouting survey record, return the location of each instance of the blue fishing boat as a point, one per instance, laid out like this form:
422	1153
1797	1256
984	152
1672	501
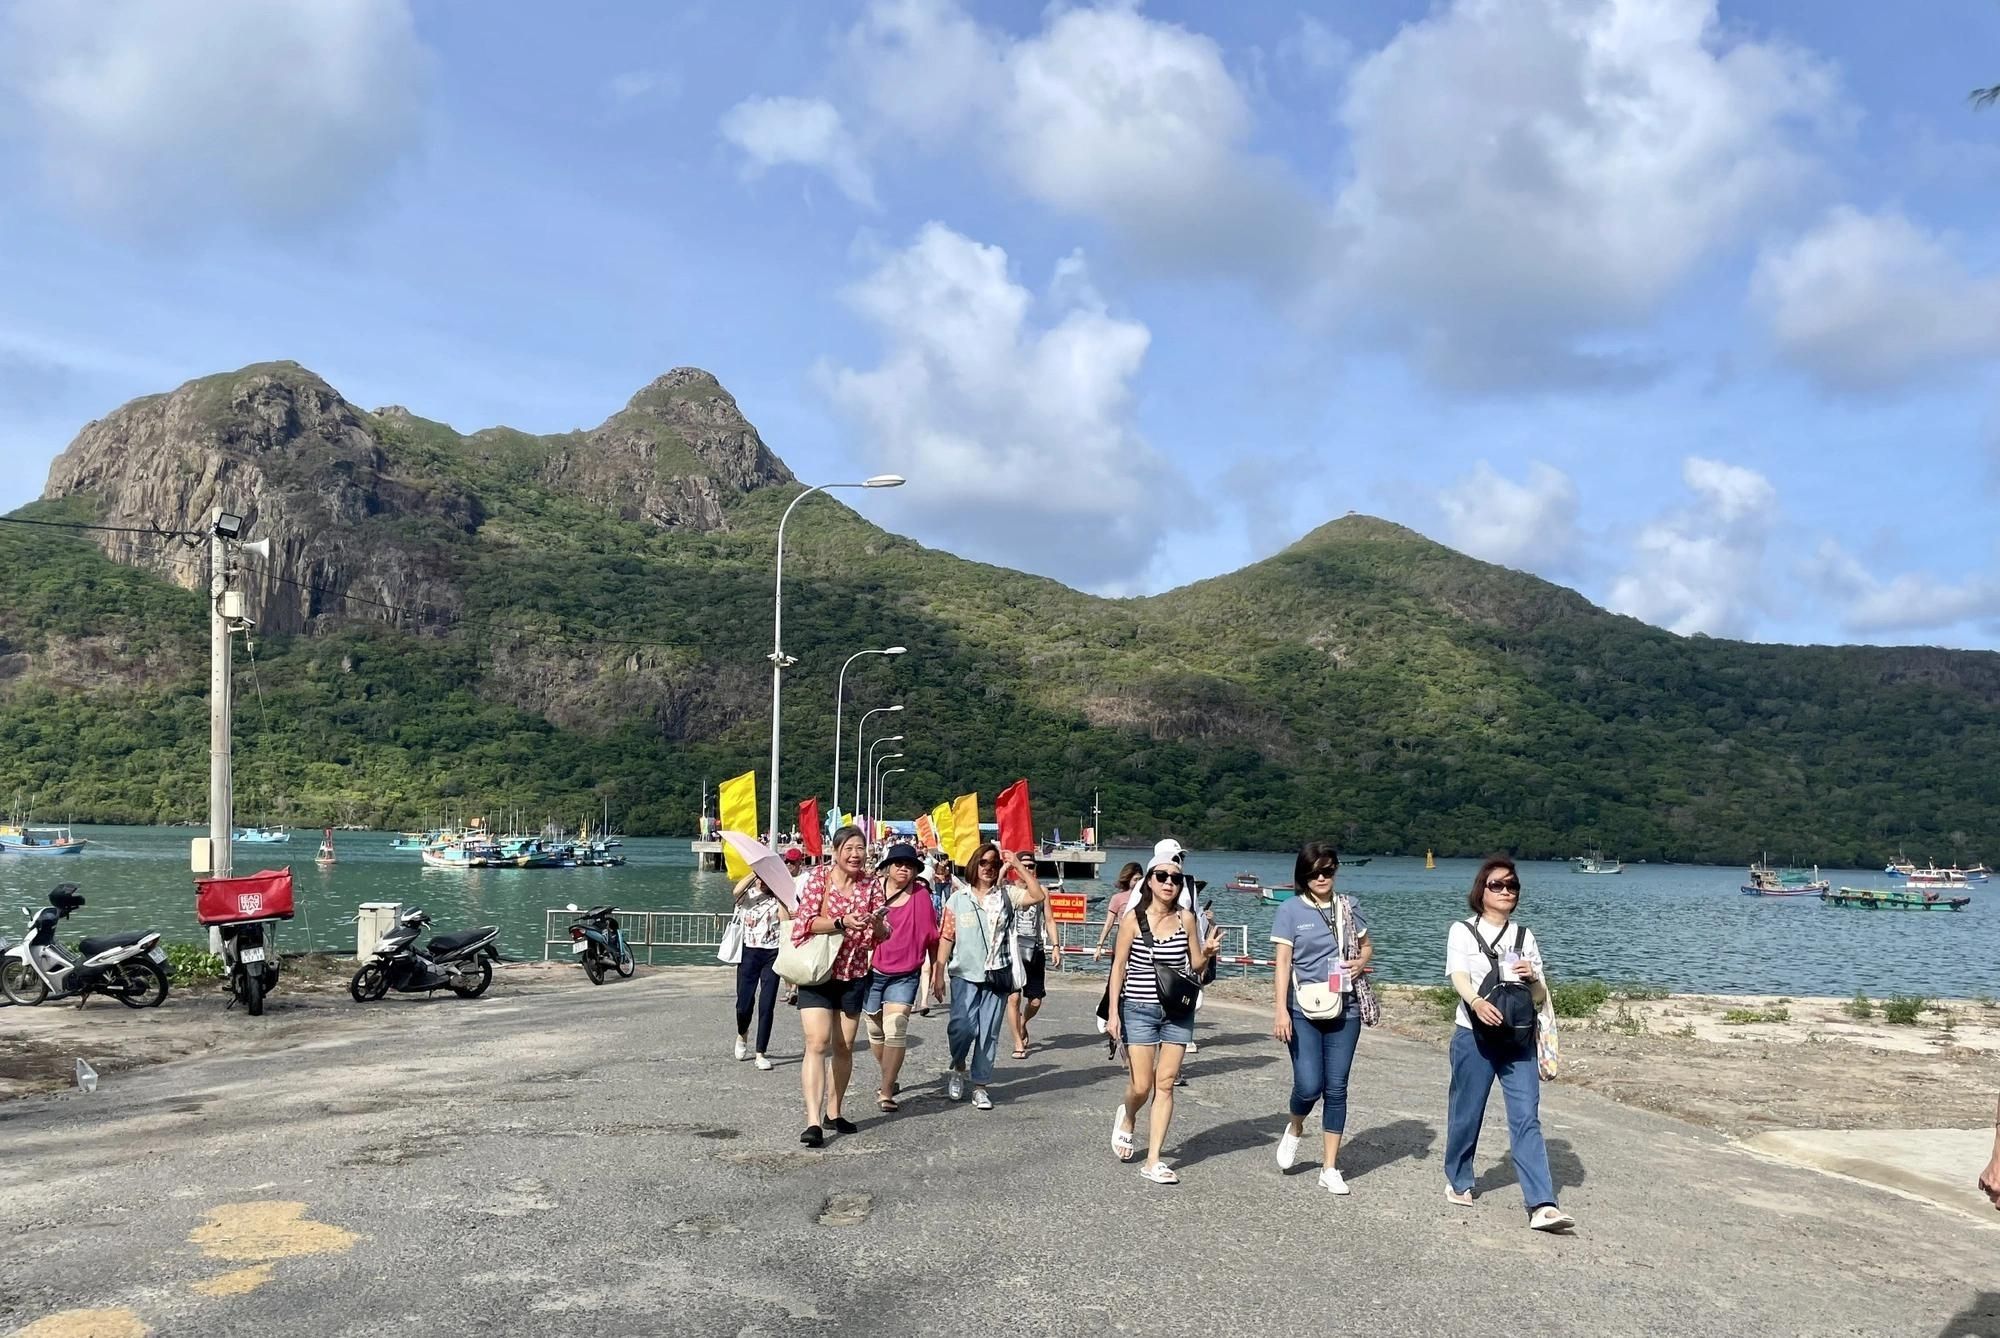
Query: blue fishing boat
40	841
261	836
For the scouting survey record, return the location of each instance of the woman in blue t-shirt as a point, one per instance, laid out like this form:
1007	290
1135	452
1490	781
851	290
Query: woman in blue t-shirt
1323	945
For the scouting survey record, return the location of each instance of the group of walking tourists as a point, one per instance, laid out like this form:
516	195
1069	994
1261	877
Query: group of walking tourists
878	943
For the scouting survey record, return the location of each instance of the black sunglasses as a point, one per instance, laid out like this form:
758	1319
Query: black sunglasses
1502	885
1325	871
1165	876
989	863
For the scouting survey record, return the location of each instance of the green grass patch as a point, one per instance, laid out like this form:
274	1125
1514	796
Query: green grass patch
1443	998
1746	1016
188	964
1860	1007
1580	998
1638	991
1903	1010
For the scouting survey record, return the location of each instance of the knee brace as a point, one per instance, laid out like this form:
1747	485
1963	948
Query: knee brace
895	1030
877	1033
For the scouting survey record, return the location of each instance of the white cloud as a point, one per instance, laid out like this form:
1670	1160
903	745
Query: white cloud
1530	525
977	401
1317	49
1531	176
1700	567
1908	602
1872	301
805	132
146	111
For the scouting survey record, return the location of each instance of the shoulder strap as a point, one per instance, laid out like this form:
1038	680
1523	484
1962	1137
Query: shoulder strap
1520	936
1145	930
1472	926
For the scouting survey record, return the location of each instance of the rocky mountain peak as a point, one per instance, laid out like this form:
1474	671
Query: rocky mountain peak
671	456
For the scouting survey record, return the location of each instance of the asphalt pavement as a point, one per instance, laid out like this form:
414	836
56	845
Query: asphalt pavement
592	1161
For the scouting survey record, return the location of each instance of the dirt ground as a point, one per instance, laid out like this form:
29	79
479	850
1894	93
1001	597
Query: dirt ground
39	1046
1817	1068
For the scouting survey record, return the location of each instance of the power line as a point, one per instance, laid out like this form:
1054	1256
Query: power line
101	529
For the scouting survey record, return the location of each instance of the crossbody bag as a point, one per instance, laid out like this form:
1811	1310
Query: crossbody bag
1179	987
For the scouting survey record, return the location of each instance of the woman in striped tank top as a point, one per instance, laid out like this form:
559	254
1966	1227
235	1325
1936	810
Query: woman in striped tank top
1155	1040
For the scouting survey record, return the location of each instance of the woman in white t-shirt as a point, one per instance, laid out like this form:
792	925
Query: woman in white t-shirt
1482	1050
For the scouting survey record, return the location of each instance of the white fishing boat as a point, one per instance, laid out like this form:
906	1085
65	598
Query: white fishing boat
1596	863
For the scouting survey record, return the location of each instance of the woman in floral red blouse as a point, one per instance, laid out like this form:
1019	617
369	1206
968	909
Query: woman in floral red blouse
839	897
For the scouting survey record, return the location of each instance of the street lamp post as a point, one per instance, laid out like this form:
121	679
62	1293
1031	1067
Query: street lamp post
840	691
882	785
779	660
870	793
874	775
857	748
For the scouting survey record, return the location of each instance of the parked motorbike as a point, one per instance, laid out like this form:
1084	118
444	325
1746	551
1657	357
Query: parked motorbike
461	962
129	967
597	942
250	957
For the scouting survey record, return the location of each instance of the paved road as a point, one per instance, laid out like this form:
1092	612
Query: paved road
592	1162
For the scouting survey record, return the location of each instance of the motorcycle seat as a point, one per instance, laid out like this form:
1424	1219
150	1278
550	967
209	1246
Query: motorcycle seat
90	947
445	944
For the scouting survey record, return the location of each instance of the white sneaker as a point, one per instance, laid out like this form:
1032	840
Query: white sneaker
742	1049
1330	1180
763	1063
954	1085
981	1101
1288	1148
1192	1047
1548	1217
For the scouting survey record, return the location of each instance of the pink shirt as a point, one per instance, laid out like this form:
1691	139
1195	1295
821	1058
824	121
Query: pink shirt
817	899
913	932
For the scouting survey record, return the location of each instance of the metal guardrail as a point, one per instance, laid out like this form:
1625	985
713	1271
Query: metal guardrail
646	931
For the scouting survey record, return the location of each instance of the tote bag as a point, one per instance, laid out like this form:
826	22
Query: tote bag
809	963
731	950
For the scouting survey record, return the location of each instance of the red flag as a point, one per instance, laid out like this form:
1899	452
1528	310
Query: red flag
1017	828
809	826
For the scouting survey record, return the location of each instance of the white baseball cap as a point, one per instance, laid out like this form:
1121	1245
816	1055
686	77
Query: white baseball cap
1168	849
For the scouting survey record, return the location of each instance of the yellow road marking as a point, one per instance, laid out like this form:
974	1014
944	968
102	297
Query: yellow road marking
120	1323
236	1281
257	1232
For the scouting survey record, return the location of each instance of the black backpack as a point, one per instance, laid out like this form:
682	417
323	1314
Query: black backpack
1514	999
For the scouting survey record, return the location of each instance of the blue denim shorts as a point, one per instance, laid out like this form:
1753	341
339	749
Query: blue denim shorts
890	990
1148	1024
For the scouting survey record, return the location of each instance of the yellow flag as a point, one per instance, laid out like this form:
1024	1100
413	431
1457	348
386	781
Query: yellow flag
941	823
964	829
737	798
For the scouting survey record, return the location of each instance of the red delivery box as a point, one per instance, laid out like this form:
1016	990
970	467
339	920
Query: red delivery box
260	896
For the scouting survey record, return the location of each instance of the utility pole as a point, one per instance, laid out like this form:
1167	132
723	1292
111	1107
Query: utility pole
221	815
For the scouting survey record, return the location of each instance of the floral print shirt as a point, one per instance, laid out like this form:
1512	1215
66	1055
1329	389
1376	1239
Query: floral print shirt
760	916
816	898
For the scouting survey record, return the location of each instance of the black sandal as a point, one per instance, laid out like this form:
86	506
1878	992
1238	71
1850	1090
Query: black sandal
840	1124
812	1137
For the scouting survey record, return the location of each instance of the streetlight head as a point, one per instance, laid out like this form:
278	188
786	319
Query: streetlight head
229	525
884	481
897	707
897	650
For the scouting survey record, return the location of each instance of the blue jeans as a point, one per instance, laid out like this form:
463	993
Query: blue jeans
1322	1054
757	987
974	1028
1475	1063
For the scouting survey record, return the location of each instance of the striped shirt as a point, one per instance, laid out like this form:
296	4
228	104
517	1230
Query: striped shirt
1142	983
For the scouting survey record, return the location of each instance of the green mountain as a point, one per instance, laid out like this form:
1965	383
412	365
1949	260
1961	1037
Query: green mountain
496	620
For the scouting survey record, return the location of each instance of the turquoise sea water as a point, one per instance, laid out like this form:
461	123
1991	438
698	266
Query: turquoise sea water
1682	926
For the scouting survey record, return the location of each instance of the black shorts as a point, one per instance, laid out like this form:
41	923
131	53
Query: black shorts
842	996
1035	969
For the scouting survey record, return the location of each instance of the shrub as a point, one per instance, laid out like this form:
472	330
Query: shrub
188	964
1443	998
1627	1022
1745	1016
1580	998
1903	1011
1638	991
1859	1007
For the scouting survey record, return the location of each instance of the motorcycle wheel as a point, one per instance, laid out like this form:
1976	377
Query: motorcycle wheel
626	964
250	989
593	966
371	982
474	990
144	985
21	984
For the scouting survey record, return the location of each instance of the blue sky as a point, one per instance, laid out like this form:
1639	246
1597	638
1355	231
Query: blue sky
1693	307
